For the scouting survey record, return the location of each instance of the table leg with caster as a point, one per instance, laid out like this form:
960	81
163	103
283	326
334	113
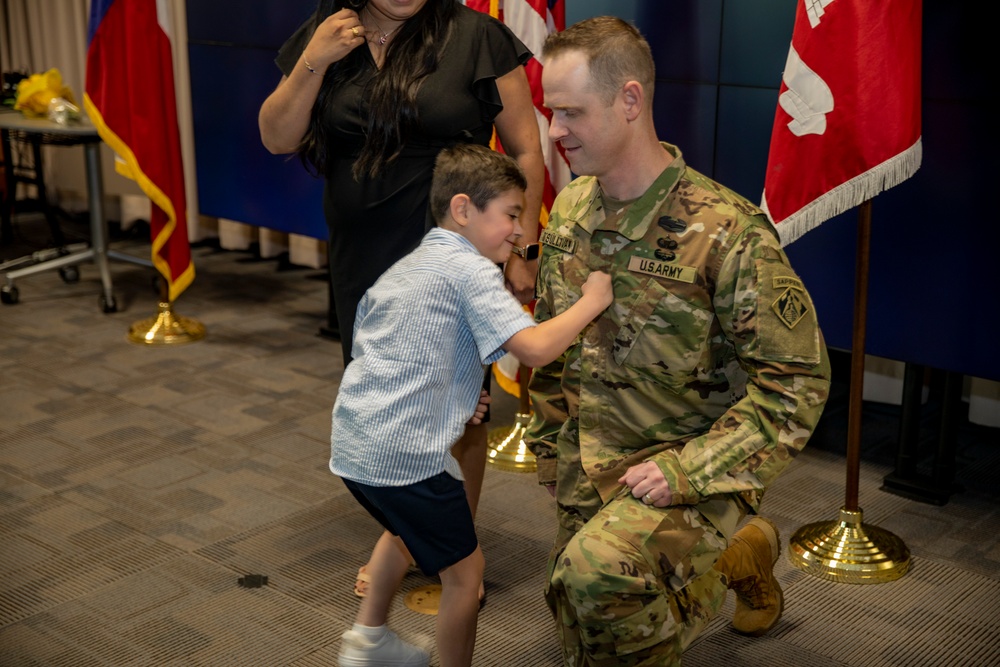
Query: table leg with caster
65	258
98	230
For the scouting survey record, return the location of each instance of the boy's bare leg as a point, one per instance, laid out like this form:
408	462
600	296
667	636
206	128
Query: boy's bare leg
387	567
458	612
470	451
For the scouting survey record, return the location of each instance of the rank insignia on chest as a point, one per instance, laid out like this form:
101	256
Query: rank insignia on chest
790	306
556	240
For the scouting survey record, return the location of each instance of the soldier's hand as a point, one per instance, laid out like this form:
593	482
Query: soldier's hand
648	484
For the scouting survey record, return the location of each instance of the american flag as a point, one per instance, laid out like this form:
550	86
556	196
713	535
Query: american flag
532	21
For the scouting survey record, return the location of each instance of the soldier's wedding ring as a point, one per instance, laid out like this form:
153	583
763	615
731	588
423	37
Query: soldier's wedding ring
646	499
356	31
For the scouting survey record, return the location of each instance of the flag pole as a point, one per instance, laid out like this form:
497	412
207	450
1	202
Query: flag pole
505	445
848	550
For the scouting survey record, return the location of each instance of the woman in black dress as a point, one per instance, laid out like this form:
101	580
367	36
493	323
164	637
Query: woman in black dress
372	91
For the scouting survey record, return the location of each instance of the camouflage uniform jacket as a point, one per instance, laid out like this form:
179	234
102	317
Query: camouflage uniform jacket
710	361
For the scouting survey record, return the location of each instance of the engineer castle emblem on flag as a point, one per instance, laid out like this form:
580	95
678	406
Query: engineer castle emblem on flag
790	307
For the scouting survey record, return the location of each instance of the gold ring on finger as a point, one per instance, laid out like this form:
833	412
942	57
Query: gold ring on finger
356	31
647	499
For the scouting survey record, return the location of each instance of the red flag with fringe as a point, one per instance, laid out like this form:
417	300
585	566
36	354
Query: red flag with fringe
847	125
129	96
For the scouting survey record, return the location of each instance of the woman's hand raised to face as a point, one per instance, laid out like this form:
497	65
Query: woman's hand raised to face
339	34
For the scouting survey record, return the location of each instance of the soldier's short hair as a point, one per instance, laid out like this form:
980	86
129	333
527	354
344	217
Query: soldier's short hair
477	171
616	52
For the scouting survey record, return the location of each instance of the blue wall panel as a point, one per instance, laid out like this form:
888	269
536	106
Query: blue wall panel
689	55
237	177
743	138
577	10
264	24
687	111
755	38
231	48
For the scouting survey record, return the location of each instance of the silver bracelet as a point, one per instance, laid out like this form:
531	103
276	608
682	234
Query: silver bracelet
308	66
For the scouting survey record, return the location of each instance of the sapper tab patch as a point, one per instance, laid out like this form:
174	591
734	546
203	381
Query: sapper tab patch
653	267
790	307
787	281
564	243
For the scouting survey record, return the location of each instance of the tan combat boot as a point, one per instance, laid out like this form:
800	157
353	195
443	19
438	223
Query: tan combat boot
748	566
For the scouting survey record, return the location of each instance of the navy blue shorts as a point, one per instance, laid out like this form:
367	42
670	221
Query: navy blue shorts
432	518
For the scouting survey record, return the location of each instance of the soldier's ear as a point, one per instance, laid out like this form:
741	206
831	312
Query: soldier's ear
632	98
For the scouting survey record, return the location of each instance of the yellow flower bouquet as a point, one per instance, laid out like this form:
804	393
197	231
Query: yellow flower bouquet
40	95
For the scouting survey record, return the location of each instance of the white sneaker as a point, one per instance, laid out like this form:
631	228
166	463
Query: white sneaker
390	651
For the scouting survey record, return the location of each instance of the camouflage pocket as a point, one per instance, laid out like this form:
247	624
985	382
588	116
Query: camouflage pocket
662	336
652	625
670	553
787	329
665	539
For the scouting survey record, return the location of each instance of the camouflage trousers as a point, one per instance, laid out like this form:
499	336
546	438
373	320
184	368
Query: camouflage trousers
631	585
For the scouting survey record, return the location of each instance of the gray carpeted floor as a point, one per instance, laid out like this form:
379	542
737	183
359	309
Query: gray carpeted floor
139	485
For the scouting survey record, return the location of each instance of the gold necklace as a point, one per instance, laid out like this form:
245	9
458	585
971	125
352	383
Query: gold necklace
385	35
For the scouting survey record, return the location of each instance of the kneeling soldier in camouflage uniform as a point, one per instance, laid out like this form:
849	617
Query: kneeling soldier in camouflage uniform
662	425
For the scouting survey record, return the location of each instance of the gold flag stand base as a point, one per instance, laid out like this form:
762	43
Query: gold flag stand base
849	551
166	328
506	449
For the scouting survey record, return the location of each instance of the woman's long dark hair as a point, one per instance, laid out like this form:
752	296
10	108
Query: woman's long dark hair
410	58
